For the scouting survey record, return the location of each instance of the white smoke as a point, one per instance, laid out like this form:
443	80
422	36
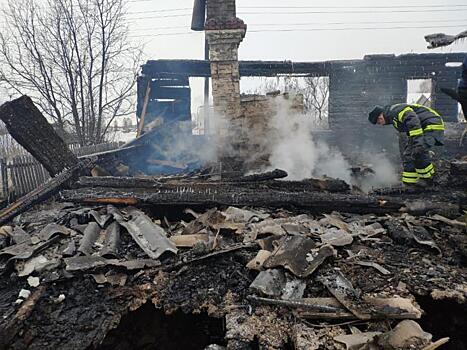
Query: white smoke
385	172
293	149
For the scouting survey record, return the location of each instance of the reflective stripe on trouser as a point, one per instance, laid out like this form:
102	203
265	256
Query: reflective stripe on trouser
417	164
427	172
409	177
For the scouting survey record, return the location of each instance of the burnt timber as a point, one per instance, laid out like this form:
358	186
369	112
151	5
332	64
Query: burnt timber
271	193
31	130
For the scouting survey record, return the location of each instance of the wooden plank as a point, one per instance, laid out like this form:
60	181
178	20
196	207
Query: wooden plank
37	175
45	191
16	177
44	174
176	93
22	172
4	174
19	172
12	177
143	112
173	110
31	179
188	241
236	195
26	173
165	82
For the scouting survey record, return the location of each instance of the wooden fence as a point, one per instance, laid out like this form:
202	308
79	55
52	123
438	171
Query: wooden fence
22	173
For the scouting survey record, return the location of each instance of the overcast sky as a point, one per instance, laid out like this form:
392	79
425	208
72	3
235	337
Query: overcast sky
301	30
304	30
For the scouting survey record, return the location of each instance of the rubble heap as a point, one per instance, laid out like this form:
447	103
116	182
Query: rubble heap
91	274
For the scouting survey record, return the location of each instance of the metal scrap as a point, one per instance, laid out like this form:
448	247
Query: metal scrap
53	230
428	243
149	236
233	214
295	304
70	250
294	289
316	257
32	264
336	237
91	233
112	279
100	219
18	235
112	241
291	253
335	220
269	282
374	265
341	288
82	263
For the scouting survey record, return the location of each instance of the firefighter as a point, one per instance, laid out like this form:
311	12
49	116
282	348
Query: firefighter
420	128
461	94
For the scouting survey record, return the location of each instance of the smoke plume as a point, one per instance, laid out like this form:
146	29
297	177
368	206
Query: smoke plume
293	149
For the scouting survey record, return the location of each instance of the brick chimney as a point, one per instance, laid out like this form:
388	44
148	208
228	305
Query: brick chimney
224	33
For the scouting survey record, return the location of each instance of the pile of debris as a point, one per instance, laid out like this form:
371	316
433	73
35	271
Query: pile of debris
96	276
212	260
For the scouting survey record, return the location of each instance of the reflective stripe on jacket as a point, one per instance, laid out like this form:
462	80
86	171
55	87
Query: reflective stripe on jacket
414	119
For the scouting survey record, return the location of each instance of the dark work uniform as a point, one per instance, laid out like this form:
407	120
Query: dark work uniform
461	94
424	128
462	88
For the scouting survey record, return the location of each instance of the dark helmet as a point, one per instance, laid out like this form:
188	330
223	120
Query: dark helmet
374	114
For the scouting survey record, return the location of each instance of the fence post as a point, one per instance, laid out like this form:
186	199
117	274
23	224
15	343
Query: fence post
4	174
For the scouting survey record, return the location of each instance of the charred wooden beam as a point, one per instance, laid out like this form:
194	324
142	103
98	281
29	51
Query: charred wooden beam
119	182
30	129
251	182
270	175
186	194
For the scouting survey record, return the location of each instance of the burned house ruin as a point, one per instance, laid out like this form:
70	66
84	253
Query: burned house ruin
354	87
208	255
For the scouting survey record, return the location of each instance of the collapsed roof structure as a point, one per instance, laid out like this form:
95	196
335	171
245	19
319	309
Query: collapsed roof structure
216	257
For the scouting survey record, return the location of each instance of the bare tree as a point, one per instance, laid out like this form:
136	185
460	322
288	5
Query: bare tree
316	95
315	92
73	57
